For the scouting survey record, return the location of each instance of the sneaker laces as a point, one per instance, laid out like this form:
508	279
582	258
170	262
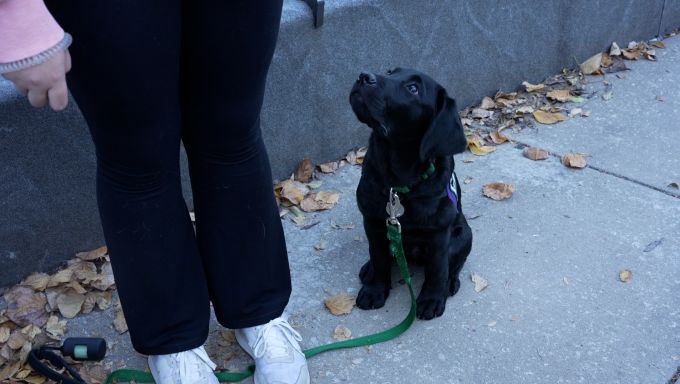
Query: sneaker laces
276	346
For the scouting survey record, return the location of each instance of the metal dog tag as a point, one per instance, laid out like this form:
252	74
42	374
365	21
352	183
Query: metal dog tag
394	207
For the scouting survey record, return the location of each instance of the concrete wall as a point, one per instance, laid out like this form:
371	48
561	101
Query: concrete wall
474	48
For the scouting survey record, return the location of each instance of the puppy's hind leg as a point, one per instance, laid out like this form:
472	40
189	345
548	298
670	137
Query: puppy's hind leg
459	248
375	275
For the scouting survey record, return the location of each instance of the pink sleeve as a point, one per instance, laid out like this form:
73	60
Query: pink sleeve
26	29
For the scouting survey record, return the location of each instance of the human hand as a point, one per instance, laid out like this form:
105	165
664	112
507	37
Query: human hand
44	83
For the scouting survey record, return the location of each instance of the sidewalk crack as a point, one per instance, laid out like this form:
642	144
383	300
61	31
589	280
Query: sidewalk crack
520	145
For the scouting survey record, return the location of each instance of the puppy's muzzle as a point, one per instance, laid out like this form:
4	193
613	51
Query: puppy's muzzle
367	79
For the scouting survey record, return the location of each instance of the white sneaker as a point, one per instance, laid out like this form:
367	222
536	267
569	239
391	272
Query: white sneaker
278	356
188	367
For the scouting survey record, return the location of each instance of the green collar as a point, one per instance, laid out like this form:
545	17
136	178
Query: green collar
426	175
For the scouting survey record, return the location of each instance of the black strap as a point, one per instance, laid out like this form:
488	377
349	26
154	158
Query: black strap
35	358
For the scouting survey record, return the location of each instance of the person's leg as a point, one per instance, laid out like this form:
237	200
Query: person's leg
125	79
227	47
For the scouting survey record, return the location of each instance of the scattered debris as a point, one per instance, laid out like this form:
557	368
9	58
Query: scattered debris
480	282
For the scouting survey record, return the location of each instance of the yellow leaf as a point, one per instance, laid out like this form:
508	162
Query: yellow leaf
574	160
548	117
477	147
659	44
340	304
561	95
532	87
498	191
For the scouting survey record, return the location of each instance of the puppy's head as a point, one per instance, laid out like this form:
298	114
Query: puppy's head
406	105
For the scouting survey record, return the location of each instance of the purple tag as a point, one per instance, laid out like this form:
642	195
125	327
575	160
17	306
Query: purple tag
452	191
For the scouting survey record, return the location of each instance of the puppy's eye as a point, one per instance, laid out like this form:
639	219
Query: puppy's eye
412	88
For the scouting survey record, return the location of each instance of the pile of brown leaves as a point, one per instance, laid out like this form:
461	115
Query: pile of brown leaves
557	99
298	194
39	307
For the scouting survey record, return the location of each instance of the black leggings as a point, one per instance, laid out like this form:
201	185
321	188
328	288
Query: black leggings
147	75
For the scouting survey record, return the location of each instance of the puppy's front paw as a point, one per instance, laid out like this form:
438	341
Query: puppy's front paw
429	308
372	297
454	286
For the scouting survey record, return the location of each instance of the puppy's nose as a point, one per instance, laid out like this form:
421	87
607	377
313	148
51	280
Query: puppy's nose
367	78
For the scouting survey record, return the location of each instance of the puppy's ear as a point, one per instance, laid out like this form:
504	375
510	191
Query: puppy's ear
445	135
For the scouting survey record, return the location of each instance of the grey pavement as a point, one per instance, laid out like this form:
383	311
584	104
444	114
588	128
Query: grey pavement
555	310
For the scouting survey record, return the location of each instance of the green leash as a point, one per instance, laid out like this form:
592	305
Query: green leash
397	249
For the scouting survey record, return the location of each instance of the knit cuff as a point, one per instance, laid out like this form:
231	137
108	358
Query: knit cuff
36	59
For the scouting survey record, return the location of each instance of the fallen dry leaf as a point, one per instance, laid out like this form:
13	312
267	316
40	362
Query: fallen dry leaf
498	138
9	370
574	160
31	331
607	95
661	98
319	201
329	167
487	103
534	153
55	328
104	300
591	65
104	279
525	110
659	44
532	87
24	306
561	95
575	112
341	226
293	191
614	50
632	54
61	277
477	147
17	339
625	275
479	113
361	154
83	271
70	303
548	117
304	170
468	180
498	191
119	323
38	281
480	282
340	304
93	254
4	334
342	333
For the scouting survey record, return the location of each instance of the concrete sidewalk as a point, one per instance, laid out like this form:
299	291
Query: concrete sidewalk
555	310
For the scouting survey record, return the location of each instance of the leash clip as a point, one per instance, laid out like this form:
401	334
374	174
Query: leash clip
394	209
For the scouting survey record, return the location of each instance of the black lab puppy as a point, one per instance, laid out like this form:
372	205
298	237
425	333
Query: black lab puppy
416	132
